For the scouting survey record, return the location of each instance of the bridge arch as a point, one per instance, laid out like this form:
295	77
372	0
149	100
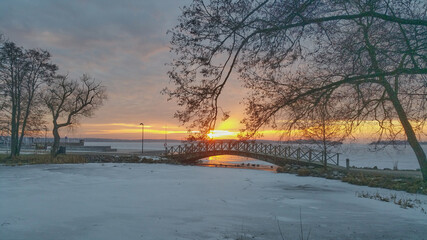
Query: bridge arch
275	154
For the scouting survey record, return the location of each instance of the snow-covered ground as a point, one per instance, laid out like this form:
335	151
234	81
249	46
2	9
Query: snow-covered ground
156	201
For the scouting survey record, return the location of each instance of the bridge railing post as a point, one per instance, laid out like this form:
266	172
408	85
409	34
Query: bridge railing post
325	160
338	159
309	155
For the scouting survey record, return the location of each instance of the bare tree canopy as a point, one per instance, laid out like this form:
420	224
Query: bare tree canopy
22	75
69	100
368	57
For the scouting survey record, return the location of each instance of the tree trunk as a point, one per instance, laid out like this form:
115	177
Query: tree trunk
13	142
14	133
17	120
410	134
24	124
56	139
13	130
21	138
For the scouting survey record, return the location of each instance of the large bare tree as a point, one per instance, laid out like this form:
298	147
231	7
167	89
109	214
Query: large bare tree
22	75
69	100
293	55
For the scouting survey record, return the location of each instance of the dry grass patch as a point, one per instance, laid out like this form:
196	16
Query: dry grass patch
411	185
41	159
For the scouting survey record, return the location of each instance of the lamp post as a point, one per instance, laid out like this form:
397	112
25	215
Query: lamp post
45	138
166	136
142	137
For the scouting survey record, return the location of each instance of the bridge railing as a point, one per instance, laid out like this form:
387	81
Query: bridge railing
281	151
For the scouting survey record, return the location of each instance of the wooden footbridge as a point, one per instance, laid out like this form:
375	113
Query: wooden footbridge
276	154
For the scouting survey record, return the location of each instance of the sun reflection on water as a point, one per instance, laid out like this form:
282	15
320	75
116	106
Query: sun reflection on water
233	161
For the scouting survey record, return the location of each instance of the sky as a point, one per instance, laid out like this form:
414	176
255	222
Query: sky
125	45
122	43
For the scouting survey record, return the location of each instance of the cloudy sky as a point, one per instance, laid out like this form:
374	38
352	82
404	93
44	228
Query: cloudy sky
121	43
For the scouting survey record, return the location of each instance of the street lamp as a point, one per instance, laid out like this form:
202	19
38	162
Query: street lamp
142	137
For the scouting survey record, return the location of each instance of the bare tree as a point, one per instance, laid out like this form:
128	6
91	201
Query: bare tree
325	128
294	55
68	100
22	74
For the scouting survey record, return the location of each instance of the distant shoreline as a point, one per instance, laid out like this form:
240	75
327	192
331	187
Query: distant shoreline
399	142
127	140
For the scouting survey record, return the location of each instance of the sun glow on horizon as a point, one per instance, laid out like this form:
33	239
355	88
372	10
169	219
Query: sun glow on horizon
221	134
367	131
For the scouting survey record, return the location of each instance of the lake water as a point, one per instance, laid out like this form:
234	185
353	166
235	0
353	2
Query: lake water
360	155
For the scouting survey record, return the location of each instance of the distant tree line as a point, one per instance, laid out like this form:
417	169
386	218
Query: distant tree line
32	91
393	142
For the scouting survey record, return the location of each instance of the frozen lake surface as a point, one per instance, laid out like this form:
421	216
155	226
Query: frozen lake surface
156	201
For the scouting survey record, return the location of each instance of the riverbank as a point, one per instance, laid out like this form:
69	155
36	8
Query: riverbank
31	159
163	201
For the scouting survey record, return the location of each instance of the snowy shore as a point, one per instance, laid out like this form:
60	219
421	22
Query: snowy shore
159	201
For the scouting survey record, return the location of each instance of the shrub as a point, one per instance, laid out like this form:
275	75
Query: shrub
303	172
